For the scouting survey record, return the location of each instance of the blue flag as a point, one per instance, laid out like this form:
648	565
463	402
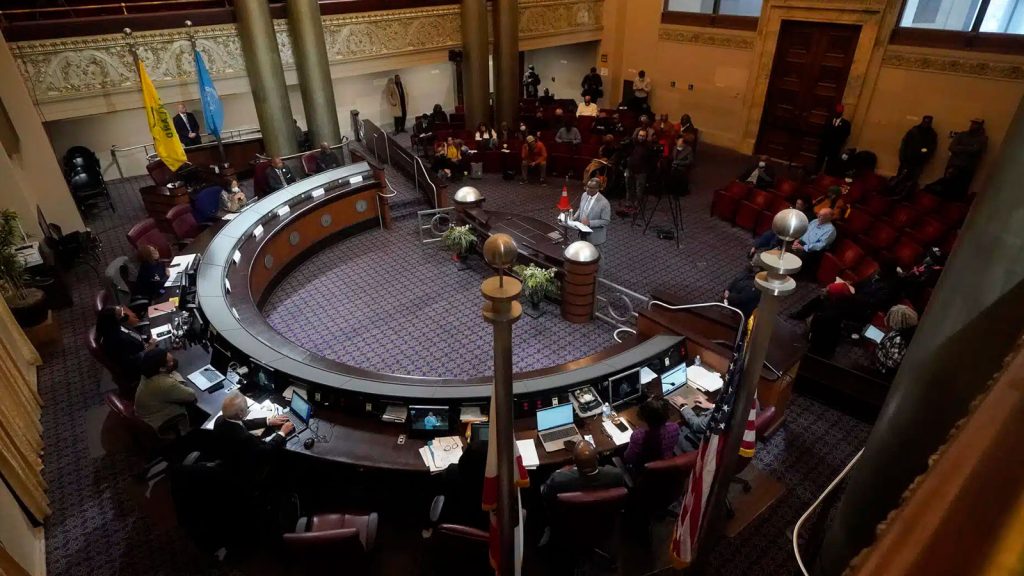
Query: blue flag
213	112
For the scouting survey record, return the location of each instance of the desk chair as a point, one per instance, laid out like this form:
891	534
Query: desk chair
662	483
118	286
200	506
587	522
147	232
309	163
127	380
458	549
183	223
332	543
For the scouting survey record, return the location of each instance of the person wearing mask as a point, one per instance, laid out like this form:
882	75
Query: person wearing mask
916	149
639	163
743	293
245	455
534	155
279	175
586	108
422	134
641	91
965	152
595	212
902	323
655	442
833	138
819	235
162	395
438	115
187	127
149	283
453	151
531	80
834	200
568	134
232	200
645	125
326	159
760	175
441	164
486	138
523	133
593	86
695	424
680	163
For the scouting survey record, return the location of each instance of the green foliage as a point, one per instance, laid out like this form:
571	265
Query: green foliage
538	282
458	239
12	269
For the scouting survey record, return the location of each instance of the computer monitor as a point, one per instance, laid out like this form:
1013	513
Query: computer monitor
301	407
624	387
480	431
554	417
673	379
263	377
429	420
219	358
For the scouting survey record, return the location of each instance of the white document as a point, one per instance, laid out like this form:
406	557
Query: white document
160	332
646	375
528	452
574	224
618	436
229	216
440	453
703	379
471	414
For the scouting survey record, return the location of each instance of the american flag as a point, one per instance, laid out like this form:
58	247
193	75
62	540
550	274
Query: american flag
684	537
490	497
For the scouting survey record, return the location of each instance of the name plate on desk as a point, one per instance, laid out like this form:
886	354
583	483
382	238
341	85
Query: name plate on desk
317	193
355	180
237	257
283	210
227	286
258	231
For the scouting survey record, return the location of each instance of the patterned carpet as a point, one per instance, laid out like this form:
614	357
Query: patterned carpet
104	525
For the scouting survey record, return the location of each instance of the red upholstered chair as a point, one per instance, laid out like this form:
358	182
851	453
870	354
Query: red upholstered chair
822	182
333	543
146	232
903	216
126	381
862	270
160	173
309	163
748	210
122	406
260	186
725	201
925	202
856	223
764	219
584	123
844	255
876	205
928	231
662	482
183	223
457	549
786	187
952	213
879	237
102	300
586	521
905	253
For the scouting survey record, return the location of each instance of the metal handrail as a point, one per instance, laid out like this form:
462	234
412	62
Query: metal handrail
739	331
344	142
233	135
807	514
616	333
416	161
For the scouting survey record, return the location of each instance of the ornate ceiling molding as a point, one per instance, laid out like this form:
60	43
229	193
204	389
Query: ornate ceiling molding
95	65
955	65
719	40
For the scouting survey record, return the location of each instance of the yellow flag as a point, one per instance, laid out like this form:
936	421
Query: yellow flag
165	139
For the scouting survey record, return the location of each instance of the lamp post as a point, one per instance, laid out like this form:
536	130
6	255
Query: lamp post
502	309
774	282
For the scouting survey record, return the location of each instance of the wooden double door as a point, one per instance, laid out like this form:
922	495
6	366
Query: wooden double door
808	77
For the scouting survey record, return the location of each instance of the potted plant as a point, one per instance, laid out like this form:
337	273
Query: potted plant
538	283
28	305
459	240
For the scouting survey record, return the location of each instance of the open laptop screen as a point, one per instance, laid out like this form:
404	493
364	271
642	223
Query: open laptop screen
673	379
554	417
300	406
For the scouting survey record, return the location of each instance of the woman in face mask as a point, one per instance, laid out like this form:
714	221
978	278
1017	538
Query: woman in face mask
232	200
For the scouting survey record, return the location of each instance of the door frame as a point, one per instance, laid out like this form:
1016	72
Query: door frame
876	19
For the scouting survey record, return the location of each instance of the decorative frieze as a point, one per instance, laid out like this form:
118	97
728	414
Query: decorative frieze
955	65
717	39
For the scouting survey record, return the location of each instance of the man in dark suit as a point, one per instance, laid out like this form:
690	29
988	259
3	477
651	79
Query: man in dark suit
326	159
834	136
245	455
187	127
279	175
400	125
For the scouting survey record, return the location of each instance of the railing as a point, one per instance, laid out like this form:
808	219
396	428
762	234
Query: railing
403	159
817	503
147	148
739	330
345	141
122	7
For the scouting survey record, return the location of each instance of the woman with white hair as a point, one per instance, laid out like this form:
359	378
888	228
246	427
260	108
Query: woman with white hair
902	323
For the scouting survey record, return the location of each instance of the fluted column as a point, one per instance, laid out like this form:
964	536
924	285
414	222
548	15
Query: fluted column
475	84
266	76
506	61
310	51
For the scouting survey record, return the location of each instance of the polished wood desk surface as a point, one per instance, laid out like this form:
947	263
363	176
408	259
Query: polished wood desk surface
533	236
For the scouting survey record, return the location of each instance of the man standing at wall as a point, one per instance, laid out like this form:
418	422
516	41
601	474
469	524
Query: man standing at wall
402	104
187	127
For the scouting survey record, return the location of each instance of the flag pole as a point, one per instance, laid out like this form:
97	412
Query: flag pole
131	47
195	48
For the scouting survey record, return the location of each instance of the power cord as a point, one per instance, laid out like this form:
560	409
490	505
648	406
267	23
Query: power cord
314	428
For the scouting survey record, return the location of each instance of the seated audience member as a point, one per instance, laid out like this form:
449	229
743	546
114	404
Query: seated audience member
924	275
162	395
442	165
584	474
680	162
559	116
149	283
694	425
568	134
546	99
609	148
819	235
655	442
539	123
121	345
487	138
463	488
769	240
761	174
859	300
586	108
422	134
326	159
689	131
279	175
618	128
833	199
603	124
505	133
232	200
534	155
644	126
742	292
902	323
246	455
438	115
458	152
523	132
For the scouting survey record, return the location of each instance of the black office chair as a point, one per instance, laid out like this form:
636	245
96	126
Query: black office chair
88	188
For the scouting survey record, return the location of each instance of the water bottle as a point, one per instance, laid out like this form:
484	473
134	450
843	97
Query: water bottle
606	411
696	361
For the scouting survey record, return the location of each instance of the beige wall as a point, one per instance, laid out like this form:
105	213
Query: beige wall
24	542
566	64
31	174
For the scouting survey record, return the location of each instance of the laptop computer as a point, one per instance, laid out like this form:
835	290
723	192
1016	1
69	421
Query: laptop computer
299	412
673	379
554	427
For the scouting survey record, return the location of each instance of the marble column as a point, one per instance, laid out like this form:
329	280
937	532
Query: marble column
475	69
506	61
314	72
972	323
266	76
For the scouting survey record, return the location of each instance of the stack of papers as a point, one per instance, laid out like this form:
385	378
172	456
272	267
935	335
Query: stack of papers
229	216
573	224
471	414
618	436
703	379
528	452
440	453
174	270
395	413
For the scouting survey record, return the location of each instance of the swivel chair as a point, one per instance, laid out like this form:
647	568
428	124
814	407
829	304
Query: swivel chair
147	232
587	522
458	549
183	223
309	163
87	188
333	543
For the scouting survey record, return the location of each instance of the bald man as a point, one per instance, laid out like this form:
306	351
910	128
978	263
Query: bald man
584	474
820	234
245	454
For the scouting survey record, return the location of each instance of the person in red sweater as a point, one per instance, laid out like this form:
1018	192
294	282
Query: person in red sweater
535	155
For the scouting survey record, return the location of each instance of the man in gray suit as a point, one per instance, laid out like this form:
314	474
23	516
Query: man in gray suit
595	212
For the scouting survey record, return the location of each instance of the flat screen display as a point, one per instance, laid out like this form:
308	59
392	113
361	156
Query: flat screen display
554	417
624	387
300	407
673	379
428	418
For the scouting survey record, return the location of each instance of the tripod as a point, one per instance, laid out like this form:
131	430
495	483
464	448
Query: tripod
665	186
